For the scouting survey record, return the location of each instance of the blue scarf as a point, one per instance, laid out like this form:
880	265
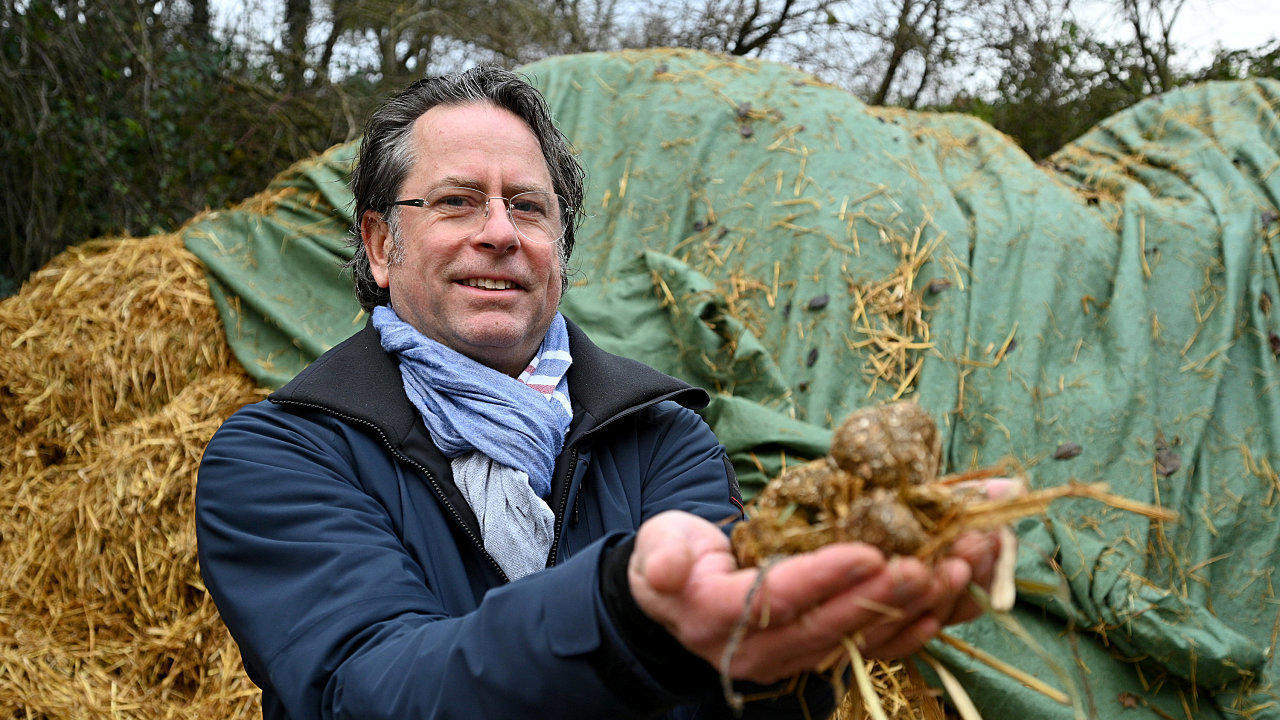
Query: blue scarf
469	406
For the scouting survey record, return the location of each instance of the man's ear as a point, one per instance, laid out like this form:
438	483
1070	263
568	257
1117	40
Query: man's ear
376	237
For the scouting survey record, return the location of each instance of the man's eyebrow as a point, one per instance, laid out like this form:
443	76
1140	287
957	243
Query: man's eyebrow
517	188
510	189
455	181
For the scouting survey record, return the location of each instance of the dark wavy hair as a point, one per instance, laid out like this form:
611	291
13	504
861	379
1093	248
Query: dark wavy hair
387	154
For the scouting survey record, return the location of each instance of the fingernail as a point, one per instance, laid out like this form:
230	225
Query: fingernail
910	590
907	585
1003	488
957	573
864	568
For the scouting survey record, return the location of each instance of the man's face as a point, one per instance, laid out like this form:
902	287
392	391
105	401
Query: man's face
436	282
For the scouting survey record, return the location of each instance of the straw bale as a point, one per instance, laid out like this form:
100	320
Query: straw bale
107	331
116	373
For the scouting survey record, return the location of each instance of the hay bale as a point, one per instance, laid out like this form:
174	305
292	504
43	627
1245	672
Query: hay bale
116	373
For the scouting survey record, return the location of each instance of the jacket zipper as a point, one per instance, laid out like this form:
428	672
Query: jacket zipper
564	503
435	485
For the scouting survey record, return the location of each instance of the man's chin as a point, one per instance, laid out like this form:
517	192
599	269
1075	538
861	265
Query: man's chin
500	348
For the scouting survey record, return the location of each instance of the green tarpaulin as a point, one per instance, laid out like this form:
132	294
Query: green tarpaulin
1103	316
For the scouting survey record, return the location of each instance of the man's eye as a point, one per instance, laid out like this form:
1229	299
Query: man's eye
460	202
526	206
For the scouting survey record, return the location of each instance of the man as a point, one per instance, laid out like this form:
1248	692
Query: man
469	510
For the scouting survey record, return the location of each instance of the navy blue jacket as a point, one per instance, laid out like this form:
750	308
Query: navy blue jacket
350	570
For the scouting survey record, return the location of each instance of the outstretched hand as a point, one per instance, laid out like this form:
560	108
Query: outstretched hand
683	575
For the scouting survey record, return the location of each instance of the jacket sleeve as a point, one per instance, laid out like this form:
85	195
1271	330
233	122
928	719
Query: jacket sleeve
335	619
688	469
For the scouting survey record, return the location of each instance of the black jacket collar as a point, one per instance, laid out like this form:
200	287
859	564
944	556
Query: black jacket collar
358	380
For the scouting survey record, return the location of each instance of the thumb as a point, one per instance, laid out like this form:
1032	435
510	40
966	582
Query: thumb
663	561
666	551
667	568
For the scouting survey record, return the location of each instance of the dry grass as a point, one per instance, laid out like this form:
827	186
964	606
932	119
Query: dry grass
902	694
116	373
889	316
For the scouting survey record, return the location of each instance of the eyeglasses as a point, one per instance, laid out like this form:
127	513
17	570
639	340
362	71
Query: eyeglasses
537	216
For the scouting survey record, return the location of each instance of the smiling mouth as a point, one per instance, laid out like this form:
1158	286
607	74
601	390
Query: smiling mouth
489	284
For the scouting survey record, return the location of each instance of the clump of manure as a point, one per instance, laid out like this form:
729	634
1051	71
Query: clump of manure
880	485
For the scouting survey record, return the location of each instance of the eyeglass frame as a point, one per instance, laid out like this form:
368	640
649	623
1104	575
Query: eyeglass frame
566	210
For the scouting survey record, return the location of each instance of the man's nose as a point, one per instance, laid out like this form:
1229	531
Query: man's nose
498	232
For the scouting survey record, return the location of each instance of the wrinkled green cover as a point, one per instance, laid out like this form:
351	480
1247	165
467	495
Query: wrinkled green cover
1133	271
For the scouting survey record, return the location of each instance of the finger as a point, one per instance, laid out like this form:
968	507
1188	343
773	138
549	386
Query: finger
800	583
954	575
938	593
668	546
890	641
893	632
979	550
697	533
777	667
1001	488
884	597
789	587
666	567
907	640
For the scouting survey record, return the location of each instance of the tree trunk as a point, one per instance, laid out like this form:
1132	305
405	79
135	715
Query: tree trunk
297	19
326	55
198	28
902	42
